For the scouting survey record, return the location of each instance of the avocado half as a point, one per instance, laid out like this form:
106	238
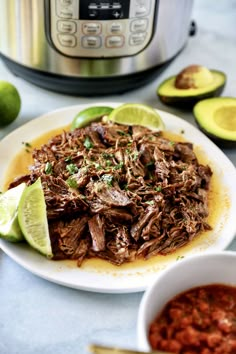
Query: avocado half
170	95
216	117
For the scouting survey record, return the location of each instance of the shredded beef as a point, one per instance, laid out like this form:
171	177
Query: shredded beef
120	192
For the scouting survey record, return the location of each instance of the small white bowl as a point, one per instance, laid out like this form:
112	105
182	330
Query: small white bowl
213	268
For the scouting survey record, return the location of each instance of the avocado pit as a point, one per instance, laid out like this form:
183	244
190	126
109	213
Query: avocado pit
194	76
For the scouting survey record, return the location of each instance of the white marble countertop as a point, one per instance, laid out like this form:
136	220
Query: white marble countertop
37	316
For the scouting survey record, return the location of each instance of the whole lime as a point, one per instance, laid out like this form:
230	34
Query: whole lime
10	103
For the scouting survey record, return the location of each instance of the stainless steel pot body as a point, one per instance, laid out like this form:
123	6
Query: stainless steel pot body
24	38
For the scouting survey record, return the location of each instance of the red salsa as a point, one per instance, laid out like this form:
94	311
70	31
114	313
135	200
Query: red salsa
201	320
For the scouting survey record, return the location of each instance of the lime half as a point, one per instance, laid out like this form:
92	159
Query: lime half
10	103
89	115
137	114
32	218
9	226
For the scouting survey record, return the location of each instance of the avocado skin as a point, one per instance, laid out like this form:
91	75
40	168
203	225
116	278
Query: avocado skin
189	101
222	143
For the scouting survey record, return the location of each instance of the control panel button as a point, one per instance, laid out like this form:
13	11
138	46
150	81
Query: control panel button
93	6
91	41
65	13
115	41
141	10
137	38
116	5
67	2
93	13
115	27
104	6
116	14
66	26
139	25
67	9
67	40
92	28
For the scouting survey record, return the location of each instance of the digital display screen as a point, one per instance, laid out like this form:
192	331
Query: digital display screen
104	10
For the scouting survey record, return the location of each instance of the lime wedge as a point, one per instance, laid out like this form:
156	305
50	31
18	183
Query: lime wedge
9	226
32	218
137	114
89	115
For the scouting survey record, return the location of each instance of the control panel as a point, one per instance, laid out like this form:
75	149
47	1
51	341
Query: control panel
101	29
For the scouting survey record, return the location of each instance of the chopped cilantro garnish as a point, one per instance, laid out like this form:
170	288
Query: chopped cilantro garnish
26	144
72	182
108	179
158	189
118	166
105	155
179	257
135	156
150	202
83	197
72	168
108	163
48	168
88	143
97	166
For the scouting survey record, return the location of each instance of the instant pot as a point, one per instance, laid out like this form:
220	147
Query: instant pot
92	47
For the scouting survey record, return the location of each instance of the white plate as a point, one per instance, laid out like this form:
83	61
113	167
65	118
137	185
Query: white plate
111	279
